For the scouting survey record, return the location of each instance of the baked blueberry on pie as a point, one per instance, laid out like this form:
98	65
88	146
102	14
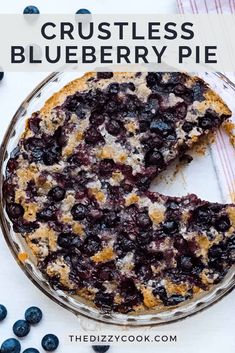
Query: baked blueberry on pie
76	188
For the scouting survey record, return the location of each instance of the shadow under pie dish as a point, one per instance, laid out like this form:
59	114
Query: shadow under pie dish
76	189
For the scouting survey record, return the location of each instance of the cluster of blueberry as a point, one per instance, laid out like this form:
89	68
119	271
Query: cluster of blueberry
33	10
21	328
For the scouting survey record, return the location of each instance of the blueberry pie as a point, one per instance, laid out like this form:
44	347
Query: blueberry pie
77	190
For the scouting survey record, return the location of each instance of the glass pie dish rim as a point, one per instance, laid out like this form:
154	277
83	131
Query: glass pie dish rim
66	300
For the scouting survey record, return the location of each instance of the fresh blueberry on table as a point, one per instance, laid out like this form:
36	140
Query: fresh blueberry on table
1	75
21	328
11	345
33	315
31	350
50	342
31	10
83	12
3	312
100	349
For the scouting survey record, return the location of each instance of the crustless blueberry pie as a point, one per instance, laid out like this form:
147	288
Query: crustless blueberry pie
77	190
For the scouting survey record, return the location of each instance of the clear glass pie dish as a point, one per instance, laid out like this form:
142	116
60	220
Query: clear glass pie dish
215	166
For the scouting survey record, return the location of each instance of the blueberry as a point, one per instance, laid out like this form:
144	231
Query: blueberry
1	75
152	141
11	345
79	211
143	271
104	300
92	245
198	91
206	122
112	107
231	243
203	215
170	227
143	125
187	126
127	287
100	349
95	215
154	157
33	143
50	342
175	299
164	128
21	328
36	147
144	238
113	127
31	10
73	258
143	183
155	257
222	224
124	245
215	252
81	111
161	293
143	220
15	210
180	111
179	89
74	160
132	103
57	193
31	350
111	219
65	240
106	273
186	262
34	122
153	78
47	214
129	85
51	155
3	312
83	12
33	315
113	88
93	136
97	118
106	167
25	227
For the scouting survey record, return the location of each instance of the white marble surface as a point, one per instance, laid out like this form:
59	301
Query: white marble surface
207	332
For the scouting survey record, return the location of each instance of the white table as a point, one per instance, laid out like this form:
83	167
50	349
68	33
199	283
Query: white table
207	332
